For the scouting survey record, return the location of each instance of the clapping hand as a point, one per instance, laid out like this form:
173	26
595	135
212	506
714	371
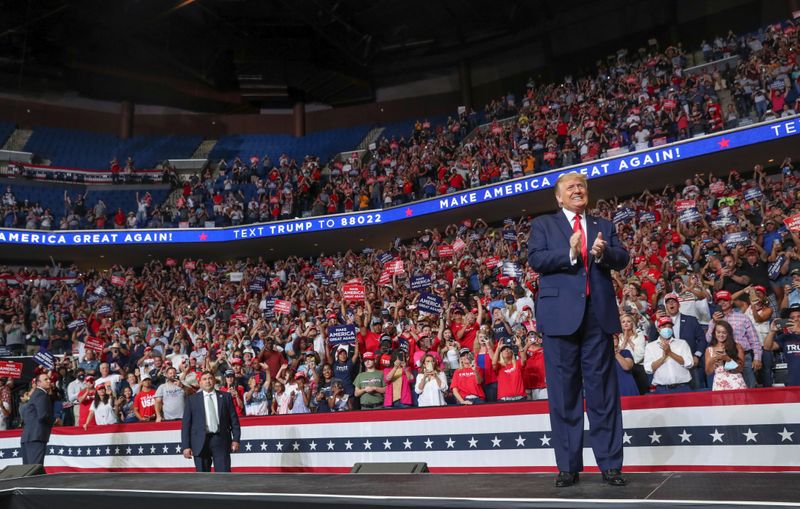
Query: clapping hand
599	246
575	244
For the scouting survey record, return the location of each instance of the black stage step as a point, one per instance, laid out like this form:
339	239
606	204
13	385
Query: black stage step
374	491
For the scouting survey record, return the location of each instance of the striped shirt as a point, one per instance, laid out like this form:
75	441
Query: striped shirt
743	332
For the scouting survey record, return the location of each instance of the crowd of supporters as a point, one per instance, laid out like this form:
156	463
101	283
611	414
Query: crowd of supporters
709	301
637	99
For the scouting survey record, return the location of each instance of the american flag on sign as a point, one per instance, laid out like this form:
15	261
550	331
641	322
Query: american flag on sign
459	245
117	280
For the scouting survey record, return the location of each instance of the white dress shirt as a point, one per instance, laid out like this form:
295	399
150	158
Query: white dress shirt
213	397
571	219
670	372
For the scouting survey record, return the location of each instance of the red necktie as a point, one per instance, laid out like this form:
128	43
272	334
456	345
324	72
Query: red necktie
577	227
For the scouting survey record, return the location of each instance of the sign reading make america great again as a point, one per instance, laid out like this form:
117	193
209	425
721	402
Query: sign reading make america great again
652	157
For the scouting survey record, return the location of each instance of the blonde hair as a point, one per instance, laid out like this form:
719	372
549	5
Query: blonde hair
571	175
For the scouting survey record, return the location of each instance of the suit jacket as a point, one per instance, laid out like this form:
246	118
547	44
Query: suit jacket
37	415
193	429
691	332
562	286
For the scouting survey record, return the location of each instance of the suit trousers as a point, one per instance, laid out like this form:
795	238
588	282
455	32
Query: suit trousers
577	365
216	451
33	452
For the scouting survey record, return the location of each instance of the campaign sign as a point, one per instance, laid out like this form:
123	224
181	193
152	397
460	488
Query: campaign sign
338	274
235	277
104	309
717	187
424	254
735	238
491	261
689	216
74	324
171	262
395	267
774	269
430	304
647	217
509	235
722	222
282	307
445	251
420	282
385	258
353	292
793	223
624	215
459	245
269	307
754	193
11	369
342	334
511	269
117	280
93	343
45	359
189	264
681	205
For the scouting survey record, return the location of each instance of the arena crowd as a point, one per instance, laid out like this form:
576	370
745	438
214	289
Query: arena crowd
711	300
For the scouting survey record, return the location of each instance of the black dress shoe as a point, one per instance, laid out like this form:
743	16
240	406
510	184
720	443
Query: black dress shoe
614	477
565	479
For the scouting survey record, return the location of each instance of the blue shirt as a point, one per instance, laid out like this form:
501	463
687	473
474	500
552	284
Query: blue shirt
790	346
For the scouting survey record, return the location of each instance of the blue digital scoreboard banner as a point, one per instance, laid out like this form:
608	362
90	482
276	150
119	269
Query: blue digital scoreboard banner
611	166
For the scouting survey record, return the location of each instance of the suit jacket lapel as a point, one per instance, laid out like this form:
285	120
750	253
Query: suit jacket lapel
564	225
219	408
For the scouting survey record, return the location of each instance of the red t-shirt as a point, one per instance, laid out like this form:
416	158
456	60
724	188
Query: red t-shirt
484	361
145	403
237	403
274	361
85	407
509	380
464	380
533	371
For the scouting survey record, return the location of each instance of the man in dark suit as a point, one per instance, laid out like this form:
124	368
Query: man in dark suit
210	430
576	311
687	328
37	417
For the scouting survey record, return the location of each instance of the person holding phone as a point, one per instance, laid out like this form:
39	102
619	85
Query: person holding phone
725	359
784	335
431	383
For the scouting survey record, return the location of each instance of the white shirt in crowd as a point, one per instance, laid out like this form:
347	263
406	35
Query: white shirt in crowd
670	372
104	413
432	394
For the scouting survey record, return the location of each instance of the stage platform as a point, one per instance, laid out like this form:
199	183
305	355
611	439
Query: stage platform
373	491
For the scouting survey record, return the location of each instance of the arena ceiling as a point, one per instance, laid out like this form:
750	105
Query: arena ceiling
242	55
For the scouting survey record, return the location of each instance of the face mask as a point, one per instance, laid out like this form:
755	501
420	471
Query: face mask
666	333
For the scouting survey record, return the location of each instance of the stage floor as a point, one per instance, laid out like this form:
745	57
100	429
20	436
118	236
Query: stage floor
124	490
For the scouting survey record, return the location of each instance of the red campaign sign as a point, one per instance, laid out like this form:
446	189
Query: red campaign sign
681	205
171	262
188	264
492	262
793	223
395	267
459	245
385	278
210	267
117	280
240	317
717	187
11	369
445	251
93	343
353	292
282	307
327	262
424	253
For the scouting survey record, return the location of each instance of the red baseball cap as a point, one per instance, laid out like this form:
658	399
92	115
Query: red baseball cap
723	295
664	320
760	288
671	296
639	259
368	356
